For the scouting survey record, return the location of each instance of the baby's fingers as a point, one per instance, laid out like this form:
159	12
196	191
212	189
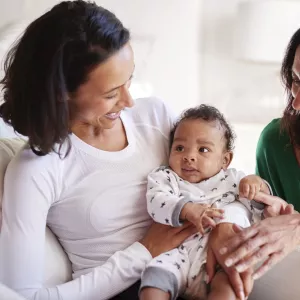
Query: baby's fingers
252	191
215	213
200	226
208	222
244	190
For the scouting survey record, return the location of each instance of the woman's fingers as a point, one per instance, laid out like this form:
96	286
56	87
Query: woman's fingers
288	210
270	211
266	198
246	249
268	264
258	256
247	281
237	240
236	283
211	263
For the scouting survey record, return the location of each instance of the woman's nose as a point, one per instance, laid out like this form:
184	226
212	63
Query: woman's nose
296	101
126	99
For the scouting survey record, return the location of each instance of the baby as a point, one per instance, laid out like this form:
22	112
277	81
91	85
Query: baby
198	187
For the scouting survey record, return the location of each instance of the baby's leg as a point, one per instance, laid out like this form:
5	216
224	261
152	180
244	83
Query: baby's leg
166	275
221	288
154	293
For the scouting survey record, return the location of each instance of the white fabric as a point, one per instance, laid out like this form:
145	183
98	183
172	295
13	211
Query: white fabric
94	202
167	193
57	265
8	294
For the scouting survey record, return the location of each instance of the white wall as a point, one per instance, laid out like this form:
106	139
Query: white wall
243	90
249	94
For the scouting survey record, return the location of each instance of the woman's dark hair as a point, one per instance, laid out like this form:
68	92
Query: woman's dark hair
51	60
209	114
291	118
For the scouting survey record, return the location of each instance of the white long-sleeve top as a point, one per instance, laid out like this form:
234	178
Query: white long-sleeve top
167	193
95	203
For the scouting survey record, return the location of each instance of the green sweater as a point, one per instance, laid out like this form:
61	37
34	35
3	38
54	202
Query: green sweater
277	164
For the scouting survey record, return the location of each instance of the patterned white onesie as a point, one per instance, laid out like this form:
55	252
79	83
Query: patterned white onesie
177	271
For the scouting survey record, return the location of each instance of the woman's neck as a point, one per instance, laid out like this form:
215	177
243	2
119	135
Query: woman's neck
113	139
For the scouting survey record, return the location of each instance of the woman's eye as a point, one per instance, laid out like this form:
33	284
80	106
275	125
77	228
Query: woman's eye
179	148
111	96
203	150
296	80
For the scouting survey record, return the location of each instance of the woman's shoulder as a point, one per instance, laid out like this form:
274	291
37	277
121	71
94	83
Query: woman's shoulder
272	134
27	162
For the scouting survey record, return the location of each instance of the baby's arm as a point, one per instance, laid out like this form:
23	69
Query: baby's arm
164	201
168	206
252	184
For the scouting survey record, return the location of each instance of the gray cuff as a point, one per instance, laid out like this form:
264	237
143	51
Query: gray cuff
176	213
160	279
257	205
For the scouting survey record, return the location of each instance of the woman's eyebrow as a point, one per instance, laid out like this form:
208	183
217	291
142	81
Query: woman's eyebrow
115	88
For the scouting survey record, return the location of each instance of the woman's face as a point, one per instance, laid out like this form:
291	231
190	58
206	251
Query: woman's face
296	80
99	101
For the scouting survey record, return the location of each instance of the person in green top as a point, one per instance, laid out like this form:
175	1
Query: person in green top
278	162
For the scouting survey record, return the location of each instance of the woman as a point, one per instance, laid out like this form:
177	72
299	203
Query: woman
84	171
278	161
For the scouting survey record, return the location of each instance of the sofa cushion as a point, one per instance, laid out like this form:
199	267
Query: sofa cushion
57	264
8	148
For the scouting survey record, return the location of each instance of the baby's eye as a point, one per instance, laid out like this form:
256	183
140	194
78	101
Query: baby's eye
179	148
203	150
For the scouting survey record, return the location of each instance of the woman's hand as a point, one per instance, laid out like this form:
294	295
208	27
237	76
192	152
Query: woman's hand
162	238
241	283
275	206
271	240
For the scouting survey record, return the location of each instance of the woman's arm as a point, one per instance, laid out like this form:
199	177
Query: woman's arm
28	194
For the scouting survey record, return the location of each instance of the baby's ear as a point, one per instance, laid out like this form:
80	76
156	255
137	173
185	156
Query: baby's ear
227	159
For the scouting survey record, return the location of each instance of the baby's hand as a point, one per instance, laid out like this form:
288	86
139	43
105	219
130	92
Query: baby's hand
201	215
251	185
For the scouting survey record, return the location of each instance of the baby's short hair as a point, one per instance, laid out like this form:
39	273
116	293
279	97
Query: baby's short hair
209	114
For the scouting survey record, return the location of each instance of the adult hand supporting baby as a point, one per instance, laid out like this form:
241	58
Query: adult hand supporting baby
269	240
275	206
162	238
241	283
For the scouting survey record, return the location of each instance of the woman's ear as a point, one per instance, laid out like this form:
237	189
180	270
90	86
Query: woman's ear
227	159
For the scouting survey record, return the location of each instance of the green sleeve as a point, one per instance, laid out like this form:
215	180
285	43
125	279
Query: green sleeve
267	153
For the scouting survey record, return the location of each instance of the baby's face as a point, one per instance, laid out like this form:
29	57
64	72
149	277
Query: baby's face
198	150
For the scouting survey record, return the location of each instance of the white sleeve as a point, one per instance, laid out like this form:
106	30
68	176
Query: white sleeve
29	192
164	200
